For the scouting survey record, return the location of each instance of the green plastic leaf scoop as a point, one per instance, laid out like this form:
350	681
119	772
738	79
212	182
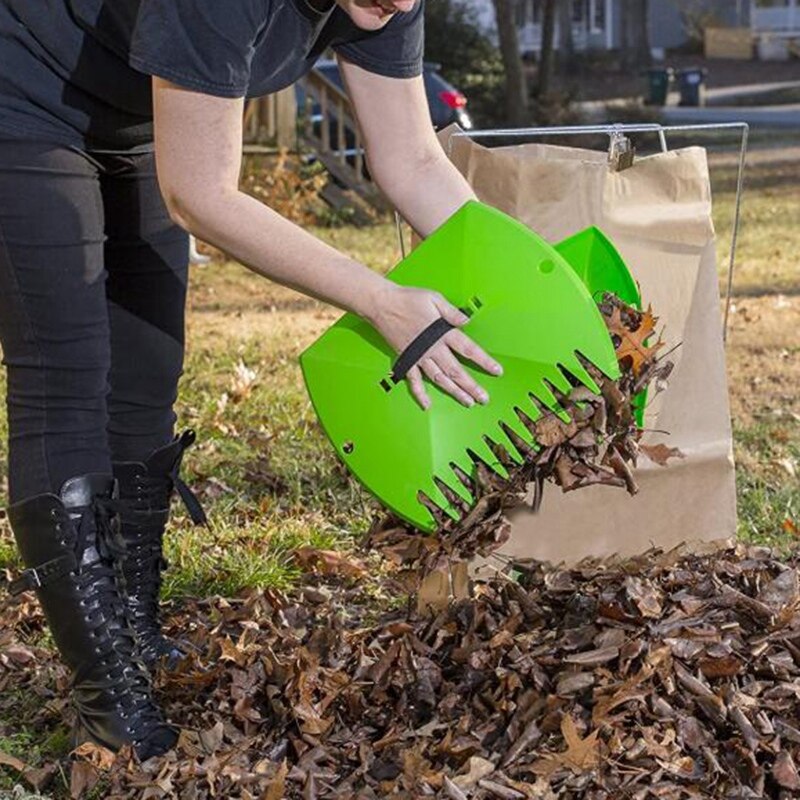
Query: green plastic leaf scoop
529	309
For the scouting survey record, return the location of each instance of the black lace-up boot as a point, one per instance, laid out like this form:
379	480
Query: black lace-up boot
145	493
70	543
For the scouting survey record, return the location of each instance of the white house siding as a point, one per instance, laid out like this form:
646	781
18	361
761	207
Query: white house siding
530	32
776	16
666	26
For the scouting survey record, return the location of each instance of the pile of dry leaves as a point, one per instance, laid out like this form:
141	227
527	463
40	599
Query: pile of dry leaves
668	676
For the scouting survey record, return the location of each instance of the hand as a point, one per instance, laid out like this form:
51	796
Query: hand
400	313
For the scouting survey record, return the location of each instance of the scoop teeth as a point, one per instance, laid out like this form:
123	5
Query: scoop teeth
513	423
456	494
435	498
465	479
508	445
528	419
451	496
523	448
577	369
439	515
544	396
502	453
558	380
561	396
482	451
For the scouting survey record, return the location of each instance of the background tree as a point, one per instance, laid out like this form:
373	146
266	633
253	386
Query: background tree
635	35
546	52
468	58
566	44
516	86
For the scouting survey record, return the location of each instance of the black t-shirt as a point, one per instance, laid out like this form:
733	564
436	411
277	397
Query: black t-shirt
78	71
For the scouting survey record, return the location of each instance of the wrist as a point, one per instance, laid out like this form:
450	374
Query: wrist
372	298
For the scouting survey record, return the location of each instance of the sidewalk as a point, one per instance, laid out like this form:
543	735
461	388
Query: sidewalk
596	82
785	116
719	95
718	108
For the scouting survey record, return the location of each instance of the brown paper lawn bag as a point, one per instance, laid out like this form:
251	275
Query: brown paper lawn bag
658	215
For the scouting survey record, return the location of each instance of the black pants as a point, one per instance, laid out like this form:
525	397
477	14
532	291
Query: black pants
92	294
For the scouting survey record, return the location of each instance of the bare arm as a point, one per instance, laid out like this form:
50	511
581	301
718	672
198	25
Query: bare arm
405	157
198	156
407	161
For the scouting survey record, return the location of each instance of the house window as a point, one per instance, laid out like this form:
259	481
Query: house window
598	15
775	15
527	12
578	7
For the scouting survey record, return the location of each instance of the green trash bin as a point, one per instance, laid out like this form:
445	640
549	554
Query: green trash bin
658	81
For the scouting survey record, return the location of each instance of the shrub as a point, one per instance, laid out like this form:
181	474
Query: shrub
469	60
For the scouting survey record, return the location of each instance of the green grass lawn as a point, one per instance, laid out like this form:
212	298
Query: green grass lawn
764	340
321	504
270	481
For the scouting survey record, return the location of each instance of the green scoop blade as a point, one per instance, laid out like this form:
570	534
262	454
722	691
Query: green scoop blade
528	309
601	268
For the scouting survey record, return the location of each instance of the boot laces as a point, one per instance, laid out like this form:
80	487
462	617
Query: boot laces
155	490
99	581
144	561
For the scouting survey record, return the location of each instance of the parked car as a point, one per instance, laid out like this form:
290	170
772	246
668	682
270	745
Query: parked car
446	103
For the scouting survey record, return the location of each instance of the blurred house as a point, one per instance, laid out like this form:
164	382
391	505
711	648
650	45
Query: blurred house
597	24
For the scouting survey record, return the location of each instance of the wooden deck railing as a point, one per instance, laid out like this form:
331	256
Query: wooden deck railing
330	128
271	121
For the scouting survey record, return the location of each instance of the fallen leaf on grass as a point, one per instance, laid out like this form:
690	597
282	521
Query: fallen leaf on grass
788	465
785	772
242	382
358	696
328	562
229	651
83	778
211	738
724	667
260	473
98	756
646	597
12	761
40	777
18	654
